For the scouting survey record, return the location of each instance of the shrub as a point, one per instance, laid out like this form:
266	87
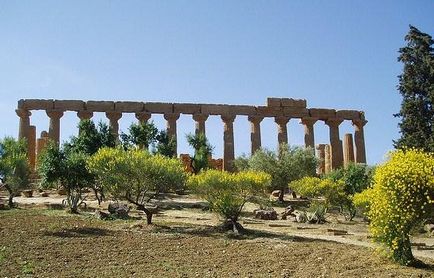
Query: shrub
285	165
136	175
227	193
202	151
14	168
401	198
141	135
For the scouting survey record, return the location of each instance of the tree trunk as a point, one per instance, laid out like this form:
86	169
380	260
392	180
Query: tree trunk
281	194
11	196
148	213
233	225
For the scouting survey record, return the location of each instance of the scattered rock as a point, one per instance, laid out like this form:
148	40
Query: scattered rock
27	193
289	211
101	215
275	193
2	206
429	228
119	210
268	214
44	194
61	191
301	217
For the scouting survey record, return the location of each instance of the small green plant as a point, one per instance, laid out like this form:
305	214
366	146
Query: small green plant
27	268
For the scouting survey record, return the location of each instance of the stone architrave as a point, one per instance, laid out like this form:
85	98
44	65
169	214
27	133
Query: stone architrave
255	132
348	149
171	119
84	115
200	120
282	131
335	142
228	142
321	156
24	123
54	128
31	147
309	136
359	141
327	159
114	117
143	117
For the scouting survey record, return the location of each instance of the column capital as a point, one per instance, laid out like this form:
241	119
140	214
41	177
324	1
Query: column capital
22	113
281	120
308	120
54	114
228	118
255	119
320	146
171	116
333	122
114	116
359	123
143	116
85	115
200	117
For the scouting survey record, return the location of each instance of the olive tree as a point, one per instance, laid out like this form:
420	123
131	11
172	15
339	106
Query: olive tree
136	175
14	167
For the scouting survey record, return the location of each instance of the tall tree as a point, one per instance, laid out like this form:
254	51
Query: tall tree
416	85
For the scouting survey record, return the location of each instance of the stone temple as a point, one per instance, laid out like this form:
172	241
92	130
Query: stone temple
333	155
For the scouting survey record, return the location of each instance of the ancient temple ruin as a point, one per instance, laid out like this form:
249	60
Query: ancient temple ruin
332	155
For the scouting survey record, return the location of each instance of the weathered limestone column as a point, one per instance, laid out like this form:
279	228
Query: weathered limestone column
114	117
143	117
200	123
327	159
359	140
31	147
321	156
336	146
348	149
24	123
171	119
228	142
41	143
84	115
54	128
282	131
309	137
255	132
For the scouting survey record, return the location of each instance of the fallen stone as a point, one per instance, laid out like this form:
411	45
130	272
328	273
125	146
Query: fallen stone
275	193
44	194
101	215
27	193
269	214
119	210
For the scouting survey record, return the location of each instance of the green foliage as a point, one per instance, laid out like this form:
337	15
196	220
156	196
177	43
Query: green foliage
286	165
401	198
241	163
228	192
202	151
136	175
141	135
166	145
416	85
14	168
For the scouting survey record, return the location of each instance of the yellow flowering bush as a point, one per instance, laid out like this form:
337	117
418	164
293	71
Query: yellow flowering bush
401	197
227	193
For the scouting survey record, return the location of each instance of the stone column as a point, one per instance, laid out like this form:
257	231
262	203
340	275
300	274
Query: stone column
228	142
348	149
24	123
31	147
84	115
321	156
282	131
143	117
336	146
309	137
171	119
54	128
327	159
200	123
255	132
114	117
41	143
359	140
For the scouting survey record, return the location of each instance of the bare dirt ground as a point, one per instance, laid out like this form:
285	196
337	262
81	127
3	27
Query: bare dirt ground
40	242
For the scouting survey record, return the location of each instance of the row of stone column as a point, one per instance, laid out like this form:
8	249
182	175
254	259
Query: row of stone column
336	150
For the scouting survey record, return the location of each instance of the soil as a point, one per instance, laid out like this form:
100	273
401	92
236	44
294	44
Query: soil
182	242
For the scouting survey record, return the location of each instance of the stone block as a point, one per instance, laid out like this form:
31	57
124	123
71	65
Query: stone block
290	102
186	108
273	102
243	110
129	106
348	114
215	109
159	107
38	104
100	106
295	112
266	111
69	105
322	114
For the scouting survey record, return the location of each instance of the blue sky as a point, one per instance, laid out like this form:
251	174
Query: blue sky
334	54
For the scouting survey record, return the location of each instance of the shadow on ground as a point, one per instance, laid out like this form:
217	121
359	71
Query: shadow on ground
79	232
